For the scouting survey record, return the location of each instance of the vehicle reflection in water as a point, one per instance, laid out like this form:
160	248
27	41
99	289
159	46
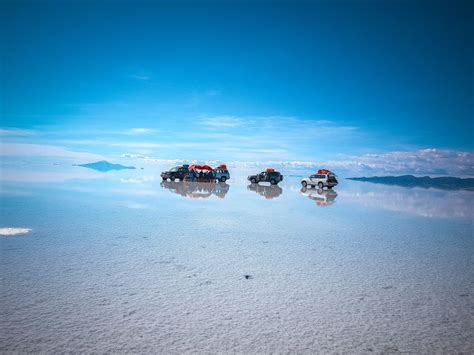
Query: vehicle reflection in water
269	192
322	197
196	189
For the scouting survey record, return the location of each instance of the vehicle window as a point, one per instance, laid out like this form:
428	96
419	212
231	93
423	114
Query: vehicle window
174	169
312	177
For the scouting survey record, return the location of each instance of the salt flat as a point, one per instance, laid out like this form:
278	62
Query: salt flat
119	262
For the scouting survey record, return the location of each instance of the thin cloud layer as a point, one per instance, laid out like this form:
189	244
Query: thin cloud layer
222	122
419	162
141	130
40	150
12	132
433	162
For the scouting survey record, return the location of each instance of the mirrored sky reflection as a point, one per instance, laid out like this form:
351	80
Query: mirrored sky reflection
110	253
146	187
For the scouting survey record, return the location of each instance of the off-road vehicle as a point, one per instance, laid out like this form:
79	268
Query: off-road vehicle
269	175
221	173
178	172
320	180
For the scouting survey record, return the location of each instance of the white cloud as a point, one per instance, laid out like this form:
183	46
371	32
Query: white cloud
35	174
110	143
213	92
135	145
141	77
14	231
135	205
40	150
433	162
419	162
222	122
151	159
141	180
15	132
138	131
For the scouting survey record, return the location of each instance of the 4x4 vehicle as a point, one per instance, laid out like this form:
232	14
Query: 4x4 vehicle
205	173
269	175
221	173
178	172
324	178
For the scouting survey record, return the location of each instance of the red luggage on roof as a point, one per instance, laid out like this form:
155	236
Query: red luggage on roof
222	167
270	170
324	171
200	167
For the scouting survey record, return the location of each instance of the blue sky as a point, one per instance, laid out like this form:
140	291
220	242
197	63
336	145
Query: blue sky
338	82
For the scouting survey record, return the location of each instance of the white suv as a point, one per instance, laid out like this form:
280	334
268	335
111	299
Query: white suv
320	180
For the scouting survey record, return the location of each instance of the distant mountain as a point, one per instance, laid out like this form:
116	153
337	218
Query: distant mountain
447	183
105	166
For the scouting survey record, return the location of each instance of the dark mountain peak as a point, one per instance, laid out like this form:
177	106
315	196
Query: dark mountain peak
105	166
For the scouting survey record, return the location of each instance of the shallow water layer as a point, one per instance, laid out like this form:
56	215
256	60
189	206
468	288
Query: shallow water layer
121	262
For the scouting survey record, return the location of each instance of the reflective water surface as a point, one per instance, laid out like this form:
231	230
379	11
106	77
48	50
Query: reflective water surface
323	197
121	262
266	190
193	189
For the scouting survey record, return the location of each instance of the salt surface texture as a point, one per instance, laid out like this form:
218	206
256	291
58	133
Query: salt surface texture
114	266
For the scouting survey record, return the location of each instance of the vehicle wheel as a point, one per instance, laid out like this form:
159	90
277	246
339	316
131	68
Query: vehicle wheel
320	184
164	179
273	182
180	179
329	187
253	181
223	179
304	183
313	186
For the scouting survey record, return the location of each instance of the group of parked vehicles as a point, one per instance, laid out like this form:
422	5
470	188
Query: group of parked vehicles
205	173
197	173
205	181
